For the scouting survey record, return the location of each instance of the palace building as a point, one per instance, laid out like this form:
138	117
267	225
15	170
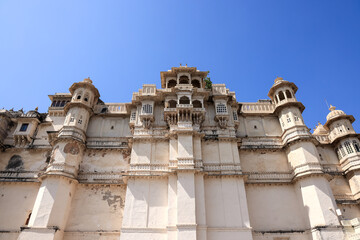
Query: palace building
184	162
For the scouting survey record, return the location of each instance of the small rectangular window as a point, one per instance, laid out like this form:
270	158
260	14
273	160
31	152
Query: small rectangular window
72	119
24	127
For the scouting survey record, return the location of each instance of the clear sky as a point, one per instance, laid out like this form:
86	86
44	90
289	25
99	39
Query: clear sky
45	46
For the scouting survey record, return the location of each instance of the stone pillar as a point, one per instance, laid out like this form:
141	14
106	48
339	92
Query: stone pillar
200	207
53	201
314	190
186	210
354	182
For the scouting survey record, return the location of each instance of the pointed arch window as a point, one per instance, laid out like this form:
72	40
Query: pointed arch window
197	104
171	83
288	94
281	96
184	100
172	104
184	80
356	146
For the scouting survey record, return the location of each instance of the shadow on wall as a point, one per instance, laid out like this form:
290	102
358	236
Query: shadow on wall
15	163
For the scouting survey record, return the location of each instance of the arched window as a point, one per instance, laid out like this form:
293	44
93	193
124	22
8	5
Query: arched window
348	147
195	83
288	94
53	104
171	83
172	104
86	98
281	96
197	104
62	103
221	108
79	96
147	108
184	100
58	104
296	118
275	100
15	163
184	80
356	146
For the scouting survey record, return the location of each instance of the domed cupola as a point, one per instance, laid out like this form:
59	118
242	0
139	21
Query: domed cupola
334	113
84	93
339	124
79	110
282	93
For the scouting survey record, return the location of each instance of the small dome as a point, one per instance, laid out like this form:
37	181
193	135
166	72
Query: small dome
278	79
320	130
334	113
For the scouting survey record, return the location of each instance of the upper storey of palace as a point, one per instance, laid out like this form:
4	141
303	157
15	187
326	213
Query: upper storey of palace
186	99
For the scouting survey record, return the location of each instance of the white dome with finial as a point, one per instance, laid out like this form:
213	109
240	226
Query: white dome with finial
334	113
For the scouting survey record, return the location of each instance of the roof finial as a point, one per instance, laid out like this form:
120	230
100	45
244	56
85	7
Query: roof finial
278	79
37	108
332	108
88	80
180	64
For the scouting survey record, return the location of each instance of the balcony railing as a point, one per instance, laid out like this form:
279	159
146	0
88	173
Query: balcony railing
112	108
257	108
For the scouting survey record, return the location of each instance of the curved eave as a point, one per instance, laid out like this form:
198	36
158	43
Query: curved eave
349	117
287	104
77	104
85	85
336	140
281	84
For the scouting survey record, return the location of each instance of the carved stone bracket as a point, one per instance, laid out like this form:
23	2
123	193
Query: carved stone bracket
222	121
147	122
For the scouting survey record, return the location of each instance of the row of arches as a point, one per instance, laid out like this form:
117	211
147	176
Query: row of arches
282	95
85	97
184	100
59	103
184	80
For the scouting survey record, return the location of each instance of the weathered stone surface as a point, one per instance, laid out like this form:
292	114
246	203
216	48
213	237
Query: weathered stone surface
178	163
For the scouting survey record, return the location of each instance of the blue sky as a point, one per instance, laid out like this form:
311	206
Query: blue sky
45	46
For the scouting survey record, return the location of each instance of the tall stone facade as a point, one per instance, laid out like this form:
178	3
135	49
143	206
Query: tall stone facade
184	162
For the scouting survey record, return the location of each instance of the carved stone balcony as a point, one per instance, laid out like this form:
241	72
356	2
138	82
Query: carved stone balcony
198	116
